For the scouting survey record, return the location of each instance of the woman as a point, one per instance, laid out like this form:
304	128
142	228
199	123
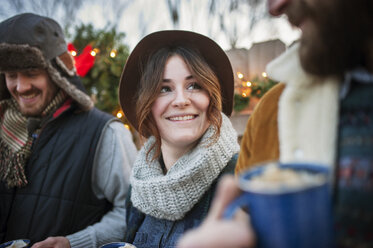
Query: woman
176	90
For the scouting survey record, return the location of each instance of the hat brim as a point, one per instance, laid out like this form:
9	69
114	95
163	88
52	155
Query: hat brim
212	53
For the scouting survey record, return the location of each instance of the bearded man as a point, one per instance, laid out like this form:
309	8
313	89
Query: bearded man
322	112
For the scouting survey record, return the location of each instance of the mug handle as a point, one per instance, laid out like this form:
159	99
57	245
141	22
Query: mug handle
239	202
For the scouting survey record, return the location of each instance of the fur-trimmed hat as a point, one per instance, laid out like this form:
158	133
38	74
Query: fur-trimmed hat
211	52
31	41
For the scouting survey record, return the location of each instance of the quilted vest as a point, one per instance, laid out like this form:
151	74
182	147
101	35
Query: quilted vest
58	199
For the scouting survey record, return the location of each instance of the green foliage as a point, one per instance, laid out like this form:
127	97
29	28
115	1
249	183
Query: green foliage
103	78
240	102
261	86
258	88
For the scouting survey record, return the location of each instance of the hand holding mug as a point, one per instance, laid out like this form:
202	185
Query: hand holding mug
287	211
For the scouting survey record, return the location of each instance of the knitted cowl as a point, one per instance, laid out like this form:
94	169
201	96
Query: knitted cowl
172	195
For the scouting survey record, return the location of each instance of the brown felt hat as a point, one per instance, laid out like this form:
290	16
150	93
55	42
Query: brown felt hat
210	51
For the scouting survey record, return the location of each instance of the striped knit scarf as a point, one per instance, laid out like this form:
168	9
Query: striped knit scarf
16	139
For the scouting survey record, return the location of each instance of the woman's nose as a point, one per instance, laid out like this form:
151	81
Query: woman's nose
182	98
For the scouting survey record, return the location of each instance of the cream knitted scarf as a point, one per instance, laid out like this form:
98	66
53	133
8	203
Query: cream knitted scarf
308	111
172	195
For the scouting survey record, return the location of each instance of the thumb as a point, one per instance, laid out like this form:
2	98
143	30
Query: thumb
227	191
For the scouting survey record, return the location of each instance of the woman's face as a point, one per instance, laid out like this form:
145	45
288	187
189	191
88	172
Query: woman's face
180	110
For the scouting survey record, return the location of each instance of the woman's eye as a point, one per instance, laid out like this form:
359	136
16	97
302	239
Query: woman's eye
194	86
165	89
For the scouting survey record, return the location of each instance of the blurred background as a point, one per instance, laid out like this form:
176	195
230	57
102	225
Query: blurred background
102	33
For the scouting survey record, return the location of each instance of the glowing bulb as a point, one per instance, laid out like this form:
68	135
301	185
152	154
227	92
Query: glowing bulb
244	94
127	126
113	53
248	83
239	75
73	53
264	74
95	51
119	115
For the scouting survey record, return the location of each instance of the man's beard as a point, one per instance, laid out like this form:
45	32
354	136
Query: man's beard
338	40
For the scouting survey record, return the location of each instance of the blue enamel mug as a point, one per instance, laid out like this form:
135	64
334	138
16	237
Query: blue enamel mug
288	216
19	243
118	245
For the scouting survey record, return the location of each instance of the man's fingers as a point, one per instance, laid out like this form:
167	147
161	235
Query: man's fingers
53	242
219	234
226	192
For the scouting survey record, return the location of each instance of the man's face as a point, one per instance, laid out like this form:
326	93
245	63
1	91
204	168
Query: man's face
335	33
32	89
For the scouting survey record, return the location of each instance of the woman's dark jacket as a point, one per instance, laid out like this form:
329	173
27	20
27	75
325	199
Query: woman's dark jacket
150	232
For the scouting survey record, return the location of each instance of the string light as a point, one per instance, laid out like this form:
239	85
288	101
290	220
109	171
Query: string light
119	114
246	91
127	126
113	53
95	51
264	74
239	75
246	84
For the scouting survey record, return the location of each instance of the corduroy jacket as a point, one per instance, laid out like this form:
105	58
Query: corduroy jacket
260	141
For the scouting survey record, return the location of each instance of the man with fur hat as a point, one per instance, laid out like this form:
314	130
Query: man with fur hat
64	164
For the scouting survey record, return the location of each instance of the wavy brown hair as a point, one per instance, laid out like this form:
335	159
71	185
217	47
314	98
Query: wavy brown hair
150	86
